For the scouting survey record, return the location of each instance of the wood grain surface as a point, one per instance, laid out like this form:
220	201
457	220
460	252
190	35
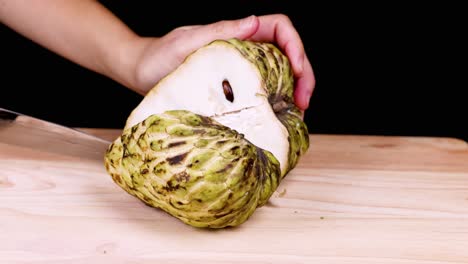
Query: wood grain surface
351	199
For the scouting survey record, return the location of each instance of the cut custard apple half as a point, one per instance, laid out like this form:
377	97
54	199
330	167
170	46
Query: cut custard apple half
212	140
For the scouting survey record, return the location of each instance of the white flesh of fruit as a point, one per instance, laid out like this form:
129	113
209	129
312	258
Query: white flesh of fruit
196	85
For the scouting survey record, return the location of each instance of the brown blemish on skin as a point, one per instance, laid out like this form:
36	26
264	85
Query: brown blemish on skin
226	168
279	106
177	159
221	142
175	144
159	169
205	120
149	159
261	53
182	177
248	169
171	187
117	178
199	131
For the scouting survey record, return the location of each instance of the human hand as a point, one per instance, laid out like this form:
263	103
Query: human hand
160	56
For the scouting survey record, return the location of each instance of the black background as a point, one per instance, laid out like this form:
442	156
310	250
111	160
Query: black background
380	70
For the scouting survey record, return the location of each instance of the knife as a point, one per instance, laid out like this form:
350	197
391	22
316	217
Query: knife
21	130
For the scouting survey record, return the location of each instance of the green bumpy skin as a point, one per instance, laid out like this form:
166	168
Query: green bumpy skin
278	78
195	169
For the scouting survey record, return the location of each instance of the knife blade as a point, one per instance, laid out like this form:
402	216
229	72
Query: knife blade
21	130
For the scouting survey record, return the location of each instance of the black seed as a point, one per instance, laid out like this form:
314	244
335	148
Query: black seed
228	91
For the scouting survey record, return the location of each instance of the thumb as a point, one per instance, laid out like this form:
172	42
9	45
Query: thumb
240	28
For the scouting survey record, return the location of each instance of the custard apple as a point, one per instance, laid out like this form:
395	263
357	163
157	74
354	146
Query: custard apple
212	140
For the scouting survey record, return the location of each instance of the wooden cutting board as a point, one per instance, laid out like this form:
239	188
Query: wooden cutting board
351	199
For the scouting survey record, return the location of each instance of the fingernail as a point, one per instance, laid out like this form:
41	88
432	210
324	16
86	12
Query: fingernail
300	63
308	94
305	104
246	23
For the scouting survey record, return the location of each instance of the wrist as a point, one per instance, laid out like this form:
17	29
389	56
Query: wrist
122	65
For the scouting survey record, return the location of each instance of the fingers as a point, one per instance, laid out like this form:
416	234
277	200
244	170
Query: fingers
201	35
305	85
276	29
241	28
280	30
